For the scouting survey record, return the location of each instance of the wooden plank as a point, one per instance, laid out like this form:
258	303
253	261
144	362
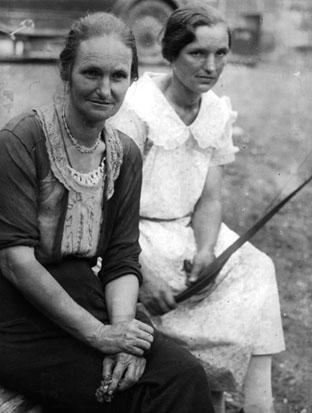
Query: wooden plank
12	402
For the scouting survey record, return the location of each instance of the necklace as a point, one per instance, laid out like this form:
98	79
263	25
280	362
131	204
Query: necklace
75	143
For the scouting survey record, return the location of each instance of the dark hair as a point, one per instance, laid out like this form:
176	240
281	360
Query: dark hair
93	25
181	25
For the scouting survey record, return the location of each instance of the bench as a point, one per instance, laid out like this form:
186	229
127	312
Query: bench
12	402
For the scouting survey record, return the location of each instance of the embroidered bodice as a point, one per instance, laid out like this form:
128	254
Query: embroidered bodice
83	216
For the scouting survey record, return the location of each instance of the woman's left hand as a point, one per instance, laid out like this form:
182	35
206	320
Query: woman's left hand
200	263
120	372
196	269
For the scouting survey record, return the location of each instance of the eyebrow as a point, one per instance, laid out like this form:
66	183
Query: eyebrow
203	49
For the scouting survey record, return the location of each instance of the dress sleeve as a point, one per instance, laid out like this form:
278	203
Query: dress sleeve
225	151
121	257
18	192
128	122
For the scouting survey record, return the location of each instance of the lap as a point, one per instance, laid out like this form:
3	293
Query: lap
45	363
61	373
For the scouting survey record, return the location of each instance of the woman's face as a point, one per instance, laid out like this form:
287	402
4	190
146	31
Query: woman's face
201	62
100	78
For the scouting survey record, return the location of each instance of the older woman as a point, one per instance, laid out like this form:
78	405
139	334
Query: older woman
184	131
70	189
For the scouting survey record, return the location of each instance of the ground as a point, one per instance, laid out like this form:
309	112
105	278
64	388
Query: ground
274	101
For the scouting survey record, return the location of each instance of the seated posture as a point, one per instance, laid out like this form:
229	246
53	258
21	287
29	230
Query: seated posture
70	188
184	131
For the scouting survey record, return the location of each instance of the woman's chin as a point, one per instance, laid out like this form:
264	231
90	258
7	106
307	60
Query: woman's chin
204	87
98	116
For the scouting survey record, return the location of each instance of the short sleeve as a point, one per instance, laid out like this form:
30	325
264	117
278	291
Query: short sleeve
129	123
225	150
18	192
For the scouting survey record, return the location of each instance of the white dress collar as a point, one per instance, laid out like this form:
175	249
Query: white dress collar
165	126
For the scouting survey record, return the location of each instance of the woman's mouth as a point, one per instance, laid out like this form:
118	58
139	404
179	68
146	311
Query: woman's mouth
207	78
102	103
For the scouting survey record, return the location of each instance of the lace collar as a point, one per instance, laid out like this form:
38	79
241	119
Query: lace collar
49	117
165	126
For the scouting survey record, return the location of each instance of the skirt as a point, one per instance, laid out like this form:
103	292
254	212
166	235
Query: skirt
239	317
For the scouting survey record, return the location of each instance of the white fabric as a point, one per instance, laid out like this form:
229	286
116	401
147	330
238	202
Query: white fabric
242	315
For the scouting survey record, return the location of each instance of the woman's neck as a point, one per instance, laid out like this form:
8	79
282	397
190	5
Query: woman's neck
185	102
181	96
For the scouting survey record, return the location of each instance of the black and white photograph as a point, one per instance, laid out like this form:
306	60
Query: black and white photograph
155	206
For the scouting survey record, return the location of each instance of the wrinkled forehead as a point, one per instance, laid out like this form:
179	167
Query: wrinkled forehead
109	49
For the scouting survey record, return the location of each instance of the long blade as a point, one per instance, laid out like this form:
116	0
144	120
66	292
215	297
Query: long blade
215	267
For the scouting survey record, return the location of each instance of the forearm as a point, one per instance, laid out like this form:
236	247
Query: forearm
20	267
121	297
206	223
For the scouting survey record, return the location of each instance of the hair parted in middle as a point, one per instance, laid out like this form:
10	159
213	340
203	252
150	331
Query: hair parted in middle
181	25
94	25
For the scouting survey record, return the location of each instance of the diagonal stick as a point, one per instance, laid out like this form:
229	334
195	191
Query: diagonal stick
210	274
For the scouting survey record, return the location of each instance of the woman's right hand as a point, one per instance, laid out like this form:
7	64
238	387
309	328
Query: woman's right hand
156	295
132	337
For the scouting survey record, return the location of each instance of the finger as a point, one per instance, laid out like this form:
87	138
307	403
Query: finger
166	302
164	308
108	364
170	300
193	276
136	351
149	338
116	377
138	347
129	379
144	327
132	375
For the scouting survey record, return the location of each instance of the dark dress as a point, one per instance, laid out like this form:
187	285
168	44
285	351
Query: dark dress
39	359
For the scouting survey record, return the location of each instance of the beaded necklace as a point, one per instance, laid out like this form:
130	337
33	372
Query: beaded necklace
75	143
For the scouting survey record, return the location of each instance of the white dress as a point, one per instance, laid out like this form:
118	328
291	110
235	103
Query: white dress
241	316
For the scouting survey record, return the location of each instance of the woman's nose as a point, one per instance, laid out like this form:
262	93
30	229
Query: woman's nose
210	63
104	87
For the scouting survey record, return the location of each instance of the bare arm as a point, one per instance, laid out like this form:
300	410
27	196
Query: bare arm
19	265
206	220
121	297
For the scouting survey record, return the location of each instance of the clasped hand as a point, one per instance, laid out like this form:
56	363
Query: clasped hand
132	337
120	372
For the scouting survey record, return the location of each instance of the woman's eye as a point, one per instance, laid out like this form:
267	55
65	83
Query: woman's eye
196	54
221	52
91	73
121	75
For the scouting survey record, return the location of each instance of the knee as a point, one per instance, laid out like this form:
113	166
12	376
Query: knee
192	372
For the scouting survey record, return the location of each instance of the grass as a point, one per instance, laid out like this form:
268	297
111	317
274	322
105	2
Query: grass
274	101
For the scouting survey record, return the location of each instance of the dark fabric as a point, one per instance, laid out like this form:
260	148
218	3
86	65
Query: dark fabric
19	142
119	244
45	363
24	164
